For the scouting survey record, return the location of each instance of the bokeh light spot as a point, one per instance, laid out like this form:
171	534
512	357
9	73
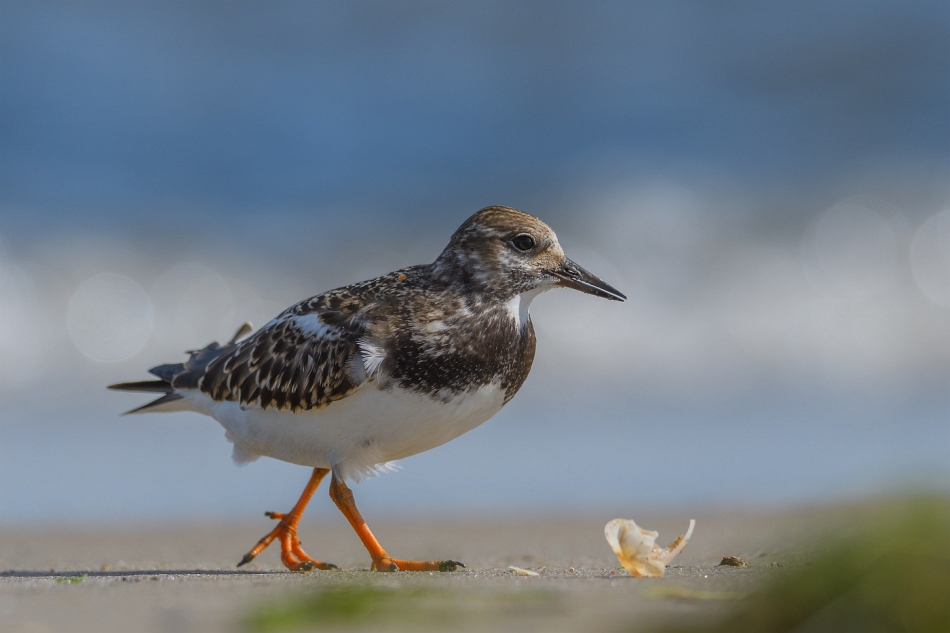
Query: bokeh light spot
195	306
930	258
856	250
109	318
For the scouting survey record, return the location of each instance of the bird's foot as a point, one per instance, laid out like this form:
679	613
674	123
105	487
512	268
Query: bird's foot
395	564
291	553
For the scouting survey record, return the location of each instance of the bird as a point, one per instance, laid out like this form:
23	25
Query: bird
351	380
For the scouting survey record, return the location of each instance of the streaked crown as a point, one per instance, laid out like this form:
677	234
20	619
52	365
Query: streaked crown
507	252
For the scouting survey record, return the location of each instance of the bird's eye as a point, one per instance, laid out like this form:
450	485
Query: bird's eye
523	242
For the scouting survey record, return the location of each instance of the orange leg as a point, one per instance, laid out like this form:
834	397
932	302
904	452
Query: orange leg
343	498
291	554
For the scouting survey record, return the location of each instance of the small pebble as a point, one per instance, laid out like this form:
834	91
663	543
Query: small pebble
732	561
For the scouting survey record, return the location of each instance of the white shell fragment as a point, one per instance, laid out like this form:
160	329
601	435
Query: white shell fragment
636	548
523	572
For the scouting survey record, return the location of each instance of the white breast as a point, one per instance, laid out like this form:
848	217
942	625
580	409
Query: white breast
355	436
519	305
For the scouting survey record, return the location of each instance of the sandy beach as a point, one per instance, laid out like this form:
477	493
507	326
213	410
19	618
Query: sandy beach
183	577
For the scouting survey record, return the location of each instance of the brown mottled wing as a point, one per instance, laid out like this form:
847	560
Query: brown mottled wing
297	362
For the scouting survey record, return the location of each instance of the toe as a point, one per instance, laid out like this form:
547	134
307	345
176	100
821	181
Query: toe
385	564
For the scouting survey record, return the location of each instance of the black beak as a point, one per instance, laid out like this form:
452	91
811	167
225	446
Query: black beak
570	275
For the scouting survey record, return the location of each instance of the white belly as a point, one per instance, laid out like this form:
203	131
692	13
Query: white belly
356	435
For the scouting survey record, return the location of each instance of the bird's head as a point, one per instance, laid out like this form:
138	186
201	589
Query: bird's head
509	252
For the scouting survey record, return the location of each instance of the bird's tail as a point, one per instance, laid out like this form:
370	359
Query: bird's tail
150	386
183	374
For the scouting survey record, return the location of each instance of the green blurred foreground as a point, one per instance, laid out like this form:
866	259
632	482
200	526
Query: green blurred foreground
885	568
401	607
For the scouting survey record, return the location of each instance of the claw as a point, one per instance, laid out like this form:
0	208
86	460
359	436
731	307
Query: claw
247	558
450	565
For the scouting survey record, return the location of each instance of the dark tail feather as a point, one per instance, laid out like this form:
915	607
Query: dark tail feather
167	372
168	397
174	372
156	386
153	386
242	331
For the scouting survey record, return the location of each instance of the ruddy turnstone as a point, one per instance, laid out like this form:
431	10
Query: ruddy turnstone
348	381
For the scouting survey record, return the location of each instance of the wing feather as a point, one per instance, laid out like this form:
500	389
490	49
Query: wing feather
314	353
299	361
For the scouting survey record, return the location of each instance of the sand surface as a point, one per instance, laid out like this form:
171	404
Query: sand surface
183	577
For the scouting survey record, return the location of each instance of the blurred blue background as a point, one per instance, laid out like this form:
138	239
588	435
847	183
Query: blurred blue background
768	182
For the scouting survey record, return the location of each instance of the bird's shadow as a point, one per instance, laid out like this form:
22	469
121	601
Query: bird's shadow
140	573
